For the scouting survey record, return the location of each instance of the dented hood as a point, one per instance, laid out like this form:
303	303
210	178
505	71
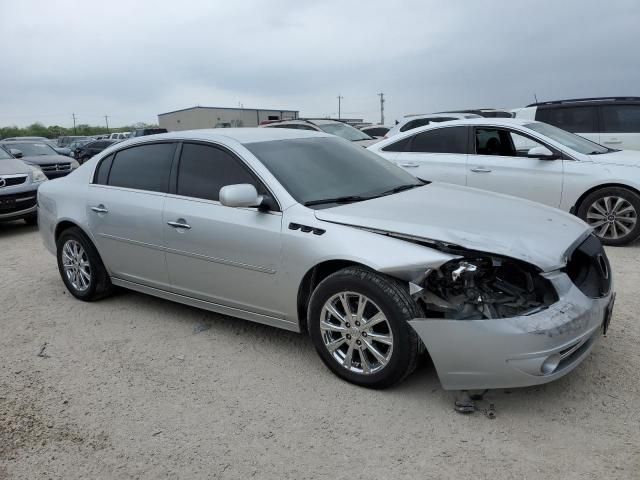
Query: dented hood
471	218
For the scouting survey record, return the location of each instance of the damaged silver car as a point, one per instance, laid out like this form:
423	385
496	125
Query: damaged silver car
303	231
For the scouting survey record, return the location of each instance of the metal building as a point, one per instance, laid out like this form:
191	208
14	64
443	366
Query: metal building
220	117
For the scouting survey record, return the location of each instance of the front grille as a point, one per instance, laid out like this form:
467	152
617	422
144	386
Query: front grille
589	268
12	181
17	202
56	167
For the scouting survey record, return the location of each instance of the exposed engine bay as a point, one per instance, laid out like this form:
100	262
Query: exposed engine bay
481	286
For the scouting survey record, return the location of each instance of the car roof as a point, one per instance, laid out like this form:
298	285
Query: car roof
241	135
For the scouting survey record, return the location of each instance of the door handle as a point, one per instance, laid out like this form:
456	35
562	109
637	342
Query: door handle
409	164
481	170
613	140
180	224
100	209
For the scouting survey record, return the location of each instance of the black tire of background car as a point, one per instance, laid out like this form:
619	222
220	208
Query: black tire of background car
396	304
100	285
31	219
632	197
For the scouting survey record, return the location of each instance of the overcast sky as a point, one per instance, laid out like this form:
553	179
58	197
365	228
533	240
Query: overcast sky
133	60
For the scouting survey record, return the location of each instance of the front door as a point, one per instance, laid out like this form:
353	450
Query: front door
500	164
228	256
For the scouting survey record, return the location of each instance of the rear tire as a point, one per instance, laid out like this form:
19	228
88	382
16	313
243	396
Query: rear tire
80	266
358	345
613	213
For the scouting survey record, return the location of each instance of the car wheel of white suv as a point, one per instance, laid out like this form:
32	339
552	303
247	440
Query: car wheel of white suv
357	320
613	214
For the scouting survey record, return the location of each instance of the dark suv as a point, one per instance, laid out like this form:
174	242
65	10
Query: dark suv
141	132
611	121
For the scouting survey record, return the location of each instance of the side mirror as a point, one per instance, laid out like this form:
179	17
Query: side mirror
16	153
543	153
240	195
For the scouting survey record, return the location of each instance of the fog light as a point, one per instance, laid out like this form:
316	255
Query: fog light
550	364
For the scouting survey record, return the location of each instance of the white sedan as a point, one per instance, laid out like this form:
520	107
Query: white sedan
532	160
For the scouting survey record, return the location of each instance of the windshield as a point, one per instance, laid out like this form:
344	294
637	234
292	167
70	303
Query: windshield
32	149
569	140
320	169
4	155
345	131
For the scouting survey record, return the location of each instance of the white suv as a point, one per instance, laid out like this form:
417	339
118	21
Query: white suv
613	121
409	122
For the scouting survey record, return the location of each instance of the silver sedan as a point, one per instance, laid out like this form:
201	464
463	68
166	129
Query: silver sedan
304	231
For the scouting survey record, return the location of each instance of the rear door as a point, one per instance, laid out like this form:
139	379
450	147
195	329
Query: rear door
124	210
500	164
581	120
437	155
620	126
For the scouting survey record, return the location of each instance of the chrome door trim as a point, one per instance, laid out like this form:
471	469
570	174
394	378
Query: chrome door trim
231	263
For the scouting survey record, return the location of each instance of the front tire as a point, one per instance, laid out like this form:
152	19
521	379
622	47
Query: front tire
357	320
80	266
613	214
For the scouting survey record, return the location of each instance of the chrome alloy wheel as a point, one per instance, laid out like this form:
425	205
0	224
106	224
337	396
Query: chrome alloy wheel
612	217
356	333
76	265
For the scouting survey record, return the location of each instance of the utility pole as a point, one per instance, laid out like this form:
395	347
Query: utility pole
74	123
381	95
106	120
340	97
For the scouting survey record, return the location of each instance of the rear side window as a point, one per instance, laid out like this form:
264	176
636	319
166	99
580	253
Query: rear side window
145	167
102	172
572	119
441	140
400	146
205	169
621	118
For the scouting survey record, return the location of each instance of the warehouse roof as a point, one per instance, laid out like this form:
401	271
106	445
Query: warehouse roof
229	108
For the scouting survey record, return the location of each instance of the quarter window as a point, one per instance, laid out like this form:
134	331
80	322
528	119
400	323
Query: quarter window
441	140
145	167
621	118
572	119
204	170
102	172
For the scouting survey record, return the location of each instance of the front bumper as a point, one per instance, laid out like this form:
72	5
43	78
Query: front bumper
511	352
22	202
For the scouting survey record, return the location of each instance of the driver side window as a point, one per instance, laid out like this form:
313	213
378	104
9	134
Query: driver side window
502	142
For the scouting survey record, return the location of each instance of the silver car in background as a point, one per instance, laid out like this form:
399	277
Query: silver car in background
307	232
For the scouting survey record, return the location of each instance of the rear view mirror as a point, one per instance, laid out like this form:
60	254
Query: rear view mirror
240	195
542	153
16	153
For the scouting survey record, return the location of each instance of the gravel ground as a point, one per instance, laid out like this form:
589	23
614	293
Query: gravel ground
137	387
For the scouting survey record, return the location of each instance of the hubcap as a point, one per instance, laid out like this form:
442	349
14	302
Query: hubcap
612	217
76	265
356	333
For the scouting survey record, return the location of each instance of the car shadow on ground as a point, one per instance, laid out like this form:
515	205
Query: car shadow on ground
15	229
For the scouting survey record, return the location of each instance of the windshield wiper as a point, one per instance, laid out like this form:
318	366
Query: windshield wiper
344	199
399	188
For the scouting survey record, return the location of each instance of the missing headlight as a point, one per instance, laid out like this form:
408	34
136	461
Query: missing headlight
475	288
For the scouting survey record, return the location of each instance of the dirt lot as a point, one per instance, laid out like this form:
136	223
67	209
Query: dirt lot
137	387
